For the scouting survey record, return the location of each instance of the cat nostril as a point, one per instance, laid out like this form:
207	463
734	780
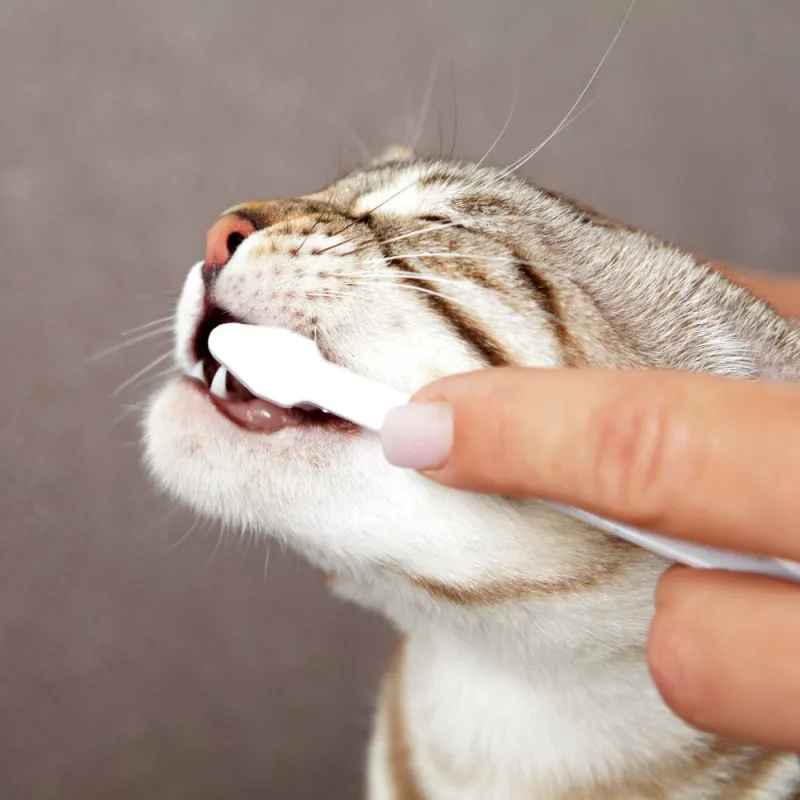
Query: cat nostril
223	239
234	240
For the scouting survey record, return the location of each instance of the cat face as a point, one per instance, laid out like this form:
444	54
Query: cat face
405	272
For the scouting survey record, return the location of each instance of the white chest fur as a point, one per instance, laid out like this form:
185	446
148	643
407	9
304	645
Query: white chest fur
478	728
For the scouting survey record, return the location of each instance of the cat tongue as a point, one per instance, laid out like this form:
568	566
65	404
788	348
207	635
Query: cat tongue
254	414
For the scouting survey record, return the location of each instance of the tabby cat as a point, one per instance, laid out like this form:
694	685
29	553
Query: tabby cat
521	672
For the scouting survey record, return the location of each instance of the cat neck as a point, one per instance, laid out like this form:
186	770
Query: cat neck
541	731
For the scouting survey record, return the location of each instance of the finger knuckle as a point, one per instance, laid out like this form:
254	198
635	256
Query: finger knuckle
636	448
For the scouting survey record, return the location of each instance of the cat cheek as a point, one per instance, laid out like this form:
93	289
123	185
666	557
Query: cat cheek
418	436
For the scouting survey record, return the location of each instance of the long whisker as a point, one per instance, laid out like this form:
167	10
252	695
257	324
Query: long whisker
125	413
449	297
371	243
419	232
441	133
173	370
186	535
386	200
431	292
422	117
446	254
154	363
390	280
444	225
514	167
127	410
367	276
524	159
345	127
168	318
454	255
502	131
222	535
322	213
455	114
266	559
108	351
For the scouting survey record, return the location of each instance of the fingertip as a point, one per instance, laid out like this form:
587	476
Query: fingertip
669	659
418	436
675	654
670	583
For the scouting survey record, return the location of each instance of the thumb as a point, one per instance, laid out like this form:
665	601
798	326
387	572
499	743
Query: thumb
531	432
666	451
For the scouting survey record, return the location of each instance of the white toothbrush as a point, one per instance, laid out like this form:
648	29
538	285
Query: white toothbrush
287	369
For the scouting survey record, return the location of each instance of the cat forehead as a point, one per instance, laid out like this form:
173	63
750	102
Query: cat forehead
412	191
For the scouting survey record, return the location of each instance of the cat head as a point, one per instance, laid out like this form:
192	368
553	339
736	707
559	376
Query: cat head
406	271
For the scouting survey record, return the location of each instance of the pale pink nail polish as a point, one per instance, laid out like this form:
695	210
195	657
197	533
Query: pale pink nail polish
418	436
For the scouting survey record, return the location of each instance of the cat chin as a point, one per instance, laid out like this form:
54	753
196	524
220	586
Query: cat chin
238	476
334	498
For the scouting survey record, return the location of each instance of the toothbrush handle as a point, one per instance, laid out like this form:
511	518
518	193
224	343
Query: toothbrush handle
361	400
689	553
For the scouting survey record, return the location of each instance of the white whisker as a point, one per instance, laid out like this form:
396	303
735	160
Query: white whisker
514	167
438	227
463	304
168	318
125	413
348	129
455	114
141	373
187	534
150	379
446	254
520	162
390	272
222	534
502	132
142	337
266	559
422	117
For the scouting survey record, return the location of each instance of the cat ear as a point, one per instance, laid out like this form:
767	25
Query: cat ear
397	152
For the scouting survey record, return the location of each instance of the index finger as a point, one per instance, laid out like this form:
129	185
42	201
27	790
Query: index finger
782	292
695	456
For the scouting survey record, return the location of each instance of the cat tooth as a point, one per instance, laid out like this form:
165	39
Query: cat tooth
219	384
198	372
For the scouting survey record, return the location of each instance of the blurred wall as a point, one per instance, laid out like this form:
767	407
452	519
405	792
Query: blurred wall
138	660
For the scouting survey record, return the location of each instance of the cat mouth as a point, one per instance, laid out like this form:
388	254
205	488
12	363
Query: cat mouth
235	401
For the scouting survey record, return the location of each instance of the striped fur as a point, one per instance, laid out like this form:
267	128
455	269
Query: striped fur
522	672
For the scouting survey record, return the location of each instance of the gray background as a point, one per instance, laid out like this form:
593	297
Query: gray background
134	668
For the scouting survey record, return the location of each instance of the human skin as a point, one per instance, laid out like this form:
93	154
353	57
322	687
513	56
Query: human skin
669	452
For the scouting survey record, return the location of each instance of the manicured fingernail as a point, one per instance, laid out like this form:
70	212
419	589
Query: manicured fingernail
418	436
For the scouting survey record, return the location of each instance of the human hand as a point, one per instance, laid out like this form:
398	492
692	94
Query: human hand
694	456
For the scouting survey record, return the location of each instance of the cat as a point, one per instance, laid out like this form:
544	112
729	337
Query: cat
521	670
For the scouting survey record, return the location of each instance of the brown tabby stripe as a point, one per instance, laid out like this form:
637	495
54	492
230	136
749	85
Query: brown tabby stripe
751	774
547	298
508	591
521	589
491	352
542	288
401	773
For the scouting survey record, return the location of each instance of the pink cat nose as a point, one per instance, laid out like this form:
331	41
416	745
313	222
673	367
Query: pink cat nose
222	240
